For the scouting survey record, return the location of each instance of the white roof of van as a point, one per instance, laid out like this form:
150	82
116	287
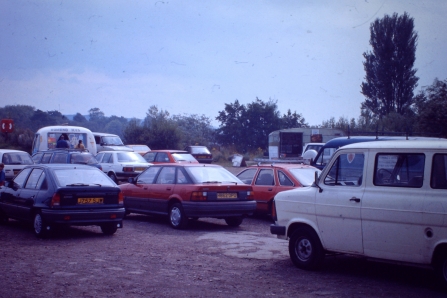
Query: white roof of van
403	144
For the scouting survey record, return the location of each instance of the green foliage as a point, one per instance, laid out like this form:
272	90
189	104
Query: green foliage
195	129
390	77
431	107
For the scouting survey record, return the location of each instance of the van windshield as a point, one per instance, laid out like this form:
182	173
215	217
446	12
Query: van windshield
112	140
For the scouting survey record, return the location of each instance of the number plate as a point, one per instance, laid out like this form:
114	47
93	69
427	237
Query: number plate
90	200
226	195
139	169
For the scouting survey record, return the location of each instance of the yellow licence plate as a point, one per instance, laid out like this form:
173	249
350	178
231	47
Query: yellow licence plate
139	169
226	195
90	200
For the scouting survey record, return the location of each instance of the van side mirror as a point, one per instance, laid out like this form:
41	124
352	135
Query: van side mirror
316	182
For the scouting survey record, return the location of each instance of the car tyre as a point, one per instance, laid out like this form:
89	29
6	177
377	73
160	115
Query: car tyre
3	218
177	217
109	229
113	177
41	229
235	221
305	249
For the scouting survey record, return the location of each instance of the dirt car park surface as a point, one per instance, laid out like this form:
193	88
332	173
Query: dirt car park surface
147	258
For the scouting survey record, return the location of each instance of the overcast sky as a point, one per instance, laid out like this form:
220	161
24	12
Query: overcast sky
192	57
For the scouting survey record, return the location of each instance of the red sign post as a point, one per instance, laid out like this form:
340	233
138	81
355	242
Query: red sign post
7	125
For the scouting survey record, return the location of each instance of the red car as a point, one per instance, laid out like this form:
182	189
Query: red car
166	156
267	180
189	190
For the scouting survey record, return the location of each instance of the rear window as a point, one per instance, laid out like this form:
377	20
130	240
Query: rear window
93	176
17	158
200	150
183	157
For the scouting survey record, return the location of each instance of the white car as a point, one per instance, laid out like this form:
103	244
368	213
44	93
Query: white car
121	165
381	200
15	161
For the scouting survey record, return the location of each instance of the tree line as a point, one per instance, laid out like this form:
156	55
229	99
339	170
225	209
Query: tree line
389	107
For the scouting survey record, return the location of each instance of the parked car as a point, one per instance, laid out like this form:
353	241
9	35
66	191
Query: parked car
15	161
54	195
73	156
201	153
109	142
269	179
140	149
380	200
189	190
121	165
165	156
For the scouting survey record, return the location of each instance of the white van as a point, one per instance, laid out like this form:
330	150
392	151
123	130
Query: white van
47	137
109	142
381	200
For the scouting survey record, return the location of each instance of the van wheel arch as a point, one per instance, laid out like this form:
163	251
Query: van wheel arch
439	263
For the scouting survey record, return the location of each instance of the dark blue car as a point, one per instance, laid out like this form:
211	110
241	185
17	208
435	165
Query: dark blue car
50	195
73	156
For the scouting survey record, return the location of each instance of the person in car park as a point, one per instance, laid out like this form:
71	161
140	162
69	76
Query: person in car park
2	174
80	145
62	143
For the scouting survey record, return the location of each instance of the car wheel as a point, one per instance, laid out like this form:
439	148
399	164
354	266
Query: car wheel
305	249
3	218
109	229
177	218
440	266
113	177
41	229
234	221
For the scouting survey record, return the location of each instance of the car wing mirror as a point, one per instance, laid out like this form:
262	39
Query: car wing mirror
316	182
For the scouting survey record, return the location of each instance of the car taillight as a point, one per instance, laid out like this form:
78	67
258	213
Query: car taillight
55	200
250	195
127	169
199	196
120	198
274	217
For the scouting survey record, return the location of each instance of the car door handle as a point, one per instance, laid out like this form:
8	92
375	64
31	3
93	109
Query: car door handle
270	189
354	199
168	188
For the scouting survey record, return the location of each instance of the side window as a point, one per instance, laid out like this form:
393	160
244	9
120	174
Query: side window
162	157
439	172
247	176
59	158
33	179
284	180
399	170
20	179
347	170
148	176
46	158
97	140
150	156
99	157
181	177
166	176
265	177
108	158
36	157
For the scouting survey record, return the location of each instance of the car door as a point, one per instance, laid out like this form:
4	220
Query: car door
27	195
10	196
107	162
162	189
138	195
338	204
264	187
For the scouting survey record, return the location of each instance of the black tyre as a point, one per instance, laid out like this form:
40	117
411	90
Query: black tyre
109	229
3	219
113	177
440	265
234	221
305	249
177	218
41	229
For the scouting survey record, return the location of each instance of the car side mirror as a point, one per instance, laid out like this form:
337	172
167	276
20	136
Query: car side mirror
316	182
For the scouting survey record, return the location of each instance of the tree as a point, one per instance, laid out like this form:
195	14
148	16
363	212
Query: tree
431	108
163	132
390	77
196	130
293	120
79	118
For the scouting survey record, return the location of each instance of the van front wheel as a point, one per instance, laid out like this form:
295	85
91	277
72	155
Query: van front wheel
441	268
305	249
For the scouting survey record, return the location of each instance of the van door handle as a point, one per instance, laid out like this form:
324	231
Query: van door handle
354	199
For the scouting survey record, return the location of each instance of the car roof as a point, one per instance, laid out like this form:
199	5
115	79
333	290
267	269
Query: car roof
115	151
169	151
195	146
342	141
194	164
103	134
283	166
11	150
60	166
68	150
402	144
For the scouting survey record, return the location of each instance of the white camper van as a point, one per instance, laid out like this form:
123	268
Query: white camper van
109	142
47	137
